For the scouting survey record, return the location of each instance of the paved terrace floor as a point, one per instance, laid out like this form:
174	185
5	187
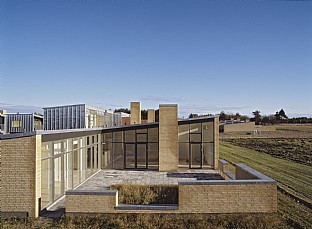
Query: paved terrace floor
105	178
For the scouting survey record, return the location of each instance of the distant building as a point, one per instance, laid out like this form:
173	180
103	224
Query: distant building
21	122
236	126
2	118
122	118
79	116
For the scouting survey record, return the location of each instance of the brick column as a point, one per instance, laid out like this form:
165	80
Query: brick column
135	111
168	138
150	115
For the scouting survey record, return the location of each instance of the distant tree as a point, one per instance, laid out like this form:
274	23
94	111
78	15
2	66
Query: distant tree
265	119
124	110
193	115
283	114
280	116
277	116
144	114
222	116
257	116
157	115
237	115
244	118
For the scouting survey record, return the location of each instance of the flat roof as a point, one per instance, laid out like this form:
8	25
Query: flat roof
54	135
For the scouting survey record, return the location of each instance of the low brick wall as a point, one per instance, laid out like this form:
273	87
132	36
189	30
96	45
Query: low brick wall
246	191
250	192
82	201
223	166
244	172
227	196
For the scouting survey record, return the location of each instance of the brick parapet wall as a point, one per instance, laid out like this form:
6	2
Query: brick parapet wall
255	193
91	201
244	172
227	197
20	176
223	166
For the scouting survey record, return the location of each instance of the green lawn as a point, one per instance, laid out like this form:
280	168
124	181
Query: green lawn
293	178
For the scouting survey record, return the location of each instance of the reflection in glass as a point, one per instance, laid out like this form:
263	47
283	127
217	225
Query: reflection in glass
208	132
184	133
130	155
184	153
117	136
153	134
208	154
195	128
141	137
130	136
89	162
195	137
46	182
196	157
141	156
118	155
57	177
153	156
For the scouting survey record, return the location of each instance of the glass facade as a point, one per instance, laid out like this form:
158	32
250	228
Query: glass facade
196	144
67	163
130	148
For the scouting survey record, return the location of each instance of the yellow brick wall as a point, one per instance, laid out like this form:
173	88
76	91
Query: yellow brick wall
91	203
150	115
168	138
228	198
20	175
135	111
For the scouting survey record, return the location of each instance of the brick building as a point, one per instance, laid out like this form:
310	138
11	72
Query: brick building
40	168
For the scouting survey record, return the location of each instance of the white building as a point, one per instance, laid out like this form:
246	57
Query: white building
78	116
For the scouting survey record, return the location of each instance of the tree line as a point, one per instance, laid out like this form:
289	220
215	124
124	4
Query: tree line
277	118
143	113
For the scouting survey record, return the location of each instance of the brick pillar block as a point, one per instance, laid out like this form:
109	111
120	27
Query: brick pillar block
135	111
150	115
168	138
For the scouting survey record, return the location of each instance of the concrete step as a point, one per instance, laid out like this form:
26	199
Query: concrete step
147	207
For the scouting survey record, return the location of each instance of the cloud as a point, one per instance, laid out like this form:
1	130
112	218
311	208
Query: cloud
160	99
12	108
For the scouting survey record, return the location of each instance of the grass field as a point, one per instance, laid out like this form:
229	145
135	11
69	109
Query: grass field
294	149
294	181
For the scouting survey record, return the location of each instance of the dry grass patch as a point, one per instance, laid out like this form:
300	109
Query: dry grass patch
146	194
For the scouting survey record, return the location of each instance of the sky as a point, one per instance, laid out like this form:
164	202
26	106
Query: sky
206	56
